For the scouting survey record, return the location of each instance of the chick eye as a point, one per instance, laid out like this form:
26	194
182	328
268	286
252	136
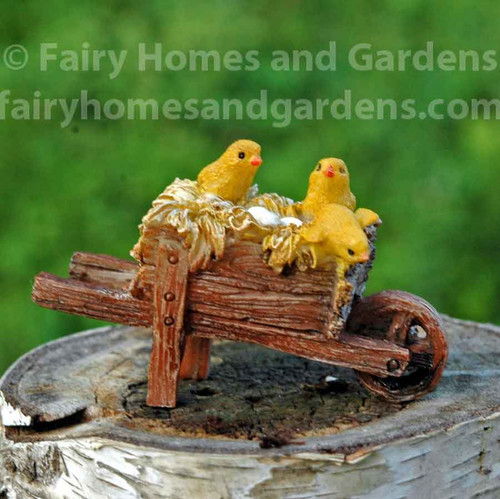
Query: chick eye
241	155
318	168
342	170
350	251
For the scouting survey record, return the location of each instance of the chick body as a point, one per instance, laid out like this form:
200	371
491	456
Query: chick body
335	235
328	183
367	217
231	176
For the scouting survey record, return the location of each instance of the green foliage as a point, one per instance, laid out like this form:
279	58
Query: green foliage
86	187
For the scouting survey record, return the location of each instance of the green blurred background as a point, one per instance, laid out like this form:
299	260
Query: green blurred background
86	187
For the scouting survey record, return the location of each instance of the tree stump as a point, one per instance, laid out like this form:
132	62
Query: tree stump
264	425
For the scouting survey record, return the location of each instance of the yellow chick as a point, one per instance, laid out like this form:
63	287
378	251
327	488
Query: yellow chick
335	235
231	176
367	217
328	183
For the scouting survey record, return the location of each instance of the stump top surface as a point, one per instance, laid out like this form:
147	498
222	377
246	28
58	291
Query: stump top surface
93	384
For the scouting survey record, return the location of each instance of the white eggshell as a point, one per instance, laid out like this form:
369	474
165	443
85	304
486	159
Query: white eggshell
263	216
291	221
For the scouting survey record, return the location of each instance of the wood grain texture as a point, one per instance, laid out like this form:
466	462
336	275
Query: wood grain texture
240	287
108	444
168	325
92	300
196	358
205	319
317	297
102	269
241	299
355	352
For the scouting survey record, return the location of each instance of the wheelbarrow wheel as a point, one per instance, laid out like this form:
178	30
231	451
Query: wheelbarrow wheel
410	322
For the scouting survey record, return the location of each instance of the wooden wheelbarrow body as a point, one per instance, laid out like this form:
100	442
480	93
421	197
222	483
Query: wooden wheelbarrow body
238	298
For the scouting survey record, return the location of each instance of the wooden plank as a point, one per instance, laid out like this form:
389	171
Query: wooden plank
359	353
295	316
243	286
196	359
102	269
239	286
172	270
94	301
243	265
90	300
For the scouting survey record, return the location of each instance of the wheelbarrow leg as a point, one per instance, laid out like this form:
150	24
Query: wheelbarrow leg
169	305
196	359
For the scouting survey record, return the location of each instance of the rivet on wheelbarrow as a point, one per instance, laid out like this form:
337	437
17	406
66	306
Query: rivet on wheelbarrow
168	321
173	259
392	365
169	296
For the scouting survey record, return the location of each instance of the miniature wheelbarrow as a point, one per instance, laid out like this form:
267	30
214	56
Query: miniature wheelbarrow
393	340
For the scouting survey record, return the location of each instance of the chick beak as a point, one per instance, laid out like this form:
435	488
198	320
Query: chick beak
256	161
365	257
329	172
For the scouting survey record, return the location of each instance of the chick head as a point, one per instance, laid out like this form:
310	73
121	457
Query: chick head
328	183
330	170
353	246
231	175
335	234
244	154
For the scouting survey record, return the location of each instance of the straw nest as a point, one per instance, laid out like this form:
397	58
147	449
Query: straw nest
207	224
